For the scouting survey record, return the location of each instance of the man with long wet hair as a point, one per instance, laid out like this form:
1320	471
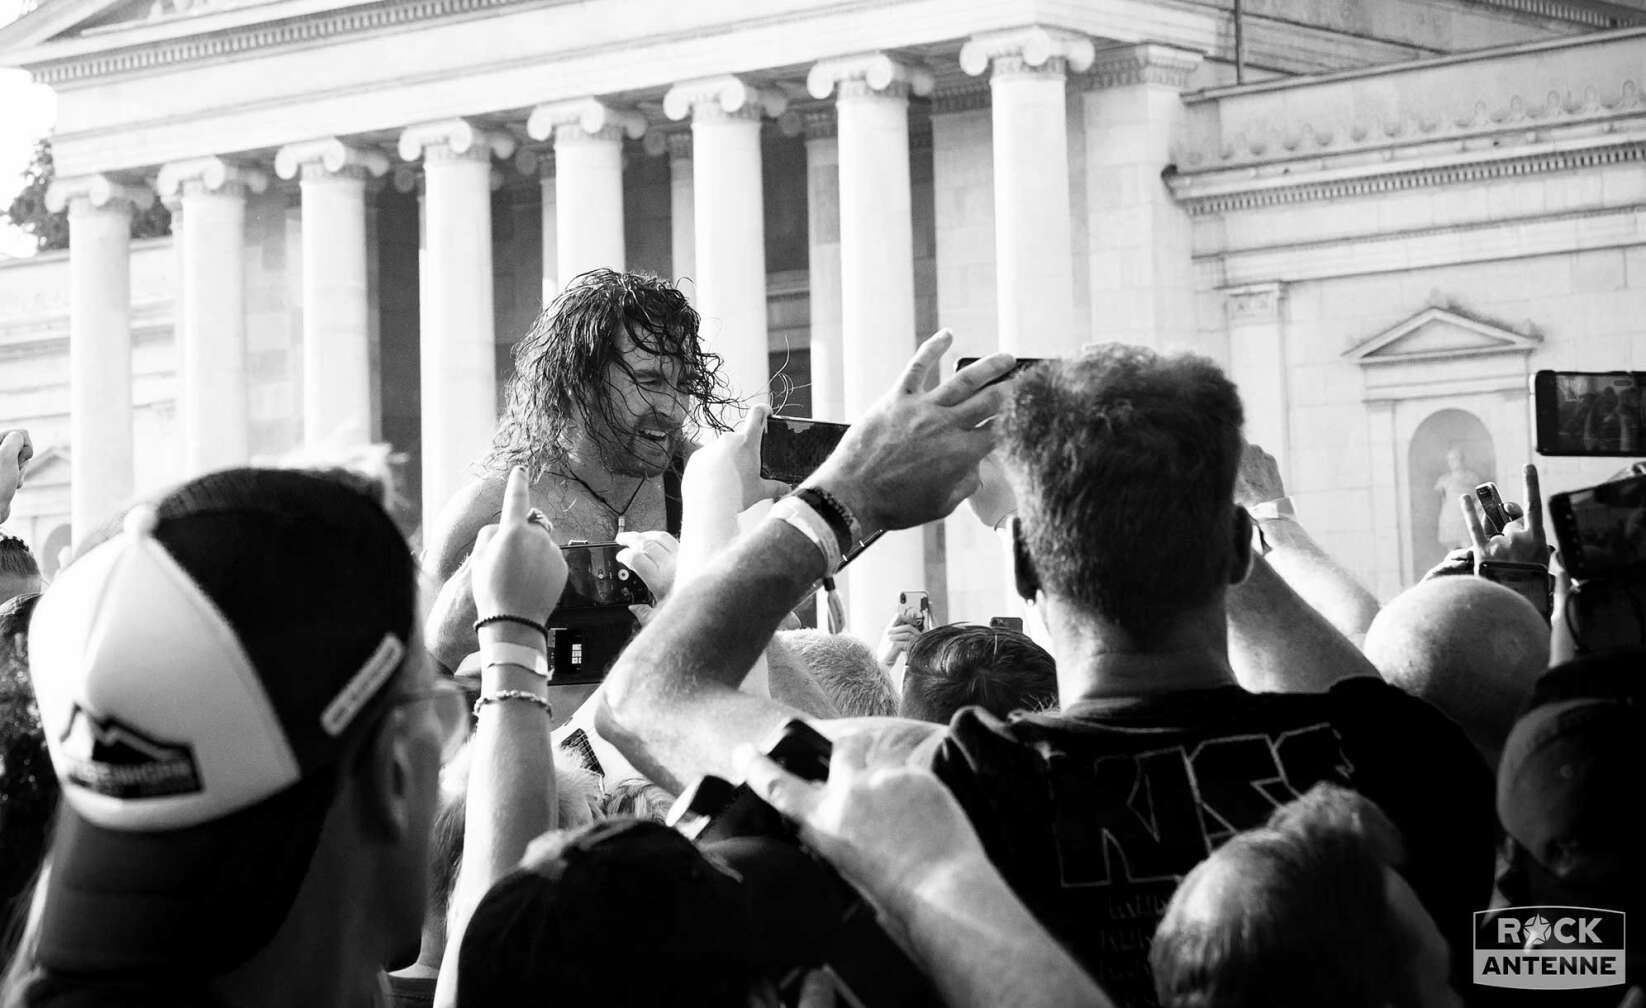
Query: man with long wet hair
607	387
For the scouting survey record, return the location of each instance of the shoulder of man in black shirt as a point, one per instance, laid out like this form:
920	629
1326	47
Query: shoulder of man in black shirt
1094	815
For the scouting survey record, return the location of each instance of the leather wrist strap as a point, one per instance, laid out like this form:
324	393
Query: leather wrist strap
846	528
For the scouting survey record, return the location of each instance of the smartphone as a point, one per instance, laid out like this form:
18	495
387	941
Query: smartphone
1022	363
1602	529
1590	412
1491	505
596	580
794	447
914	607
592	623
1013	623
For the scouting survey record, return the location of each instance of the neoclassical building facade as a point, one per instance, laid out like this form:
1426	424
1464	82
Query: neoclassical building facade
1381	216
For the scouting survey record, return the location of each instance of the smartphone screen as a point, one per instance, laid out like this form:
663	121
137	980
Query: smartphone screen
1006	623
1590	412
595	580
793	447
915	608
1491	506
1022	363
1601	529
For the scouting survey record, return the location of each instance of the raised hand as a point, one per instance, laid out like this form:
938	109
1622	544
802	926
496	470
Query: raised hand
651	555
15	451
896	640
887	829
1522	540
913	457
516	567
729	466
1258	479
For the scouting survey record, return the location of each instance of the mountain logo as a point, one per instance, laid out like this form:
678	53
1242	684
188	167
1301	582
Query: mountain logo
106	756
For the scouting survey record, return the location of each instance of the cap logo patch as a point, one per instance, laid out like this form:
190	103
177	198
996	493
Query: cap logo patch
109	757
365	684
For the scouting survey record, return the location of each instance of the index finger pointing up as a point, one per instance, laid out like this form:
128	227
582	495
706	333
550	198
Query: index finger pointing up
913	381
516	498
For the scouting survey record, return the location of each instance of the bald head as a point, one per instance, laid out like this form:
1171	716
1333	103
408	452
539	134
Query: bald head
1471	648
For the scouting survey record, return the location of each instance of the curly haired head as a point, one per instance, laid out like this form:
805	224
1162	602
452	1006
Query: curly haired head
565	366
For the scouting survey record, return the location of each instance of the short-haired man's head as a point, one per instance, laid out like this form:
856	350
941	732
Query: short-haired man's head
1471	648
845	670
1294	913
950	667
19	572
566	364
1123	461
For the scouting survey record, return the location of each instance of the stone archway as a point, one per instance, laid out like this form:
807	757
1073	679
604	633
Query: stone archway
1433	486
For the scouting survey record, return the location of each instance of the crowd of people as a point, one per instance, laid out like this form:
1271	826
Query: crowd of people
261	750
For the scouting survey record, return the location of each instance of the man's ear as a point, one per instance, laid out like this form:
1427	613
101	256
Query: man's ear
1023	572
386	773
1240	558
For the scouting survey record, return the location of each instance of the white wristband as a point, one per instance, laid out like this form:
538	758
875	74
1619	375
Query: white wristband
797	514
528	658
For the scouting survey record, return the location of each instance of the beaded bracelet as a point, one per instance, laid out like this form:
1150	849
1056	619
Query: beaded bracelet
520	620
512	694
840	520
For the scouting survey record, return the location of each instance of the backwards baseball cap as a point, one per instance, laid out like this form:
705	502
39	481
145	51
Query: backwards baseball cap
200	674
1568	771
710	921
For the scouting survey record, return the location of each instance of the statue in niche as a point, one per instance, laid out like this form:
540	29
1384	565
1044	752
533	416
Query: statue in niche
1456	481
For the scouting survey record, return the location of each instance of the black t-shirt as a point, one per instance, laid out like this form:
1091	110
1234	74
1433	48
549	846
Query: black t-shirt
1095	815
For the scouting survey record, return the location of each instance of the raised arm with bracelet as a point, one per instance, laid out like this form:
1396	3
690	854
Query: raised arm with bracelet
671	703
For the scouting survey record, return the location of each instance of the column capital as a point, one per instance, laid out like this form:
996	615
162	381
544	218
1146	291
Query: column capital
1147	63
1254	304
584	119
680	145
97	192
1034	49
329	157
866	74
406	179
209	175
454	139
726	97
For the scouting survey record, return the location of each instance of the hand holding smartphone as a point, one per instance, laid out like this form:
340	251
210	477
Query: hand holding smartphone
794	447
1491	507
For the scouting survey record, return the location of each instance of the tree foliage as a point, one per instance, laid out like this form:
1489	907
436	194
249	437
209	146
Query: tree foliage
28	212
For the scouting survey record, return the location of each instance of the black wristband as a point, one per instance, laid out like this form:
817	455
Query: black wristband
521	620
826	506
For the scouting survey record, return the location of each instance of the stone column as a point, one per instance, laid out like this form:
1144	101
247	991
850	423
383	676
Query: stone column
823	261
101	474
1139	255
588	173
1033	239
876	280
682	207
729	213
459	371
337	375
539	161
213	403
1257	365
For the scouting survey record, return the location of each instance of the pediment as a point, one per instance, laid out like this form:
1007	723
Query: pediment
1437	333
58	22
48	468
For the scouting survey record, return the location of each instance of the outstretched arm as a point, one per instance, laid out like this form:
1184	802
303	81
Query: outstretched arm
671	704
1278	643
1312	572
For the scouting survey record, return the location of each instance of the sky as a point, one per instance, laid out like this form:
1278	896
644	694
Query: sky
27	111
